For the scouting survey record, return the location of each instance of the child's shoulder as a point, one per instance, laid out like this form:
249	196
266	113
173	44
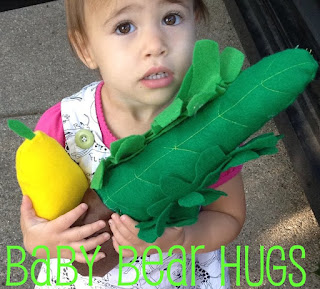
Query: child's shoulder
50	117
51	123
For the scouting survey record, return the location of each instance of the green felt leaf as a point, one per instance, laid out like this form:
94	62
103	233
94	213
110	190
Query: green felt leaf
168	116
20	129
191	199
97	181
242	157
156	209
198	101
203	167
231	64
146	224
212	177
127	146
211	195
171	184
206	67
148	234
161	224
262	141
183	92
261	145
268	151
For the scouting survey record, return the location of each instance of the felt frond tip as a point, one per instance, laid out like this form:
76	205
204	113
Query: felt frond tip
20	129
97	181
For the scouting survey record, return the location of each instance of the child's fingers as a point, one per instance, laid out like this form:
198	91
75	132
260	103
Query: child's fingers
115	244
121	229
85	231
65	221
92	243
130	224
125	252
28	215
123	237
81	259
67	254
26	208
26	202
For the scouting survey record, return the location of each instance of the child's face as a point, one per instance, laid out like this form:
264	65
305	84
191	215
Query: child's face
129	40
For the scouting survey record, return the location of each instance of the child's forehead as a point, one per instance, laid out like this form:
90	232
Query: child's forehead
98	4
115	4
106	5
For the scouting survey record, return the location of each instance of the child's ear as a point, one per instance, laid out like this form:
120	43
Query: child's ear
82	49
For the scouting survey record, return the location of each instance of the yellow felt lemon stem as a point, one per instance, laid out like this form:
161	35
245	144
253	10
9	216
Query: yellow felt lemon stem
46	173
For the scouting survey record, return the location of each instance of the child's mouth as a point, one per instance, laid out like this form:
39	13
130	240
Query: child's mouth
157	80
157	76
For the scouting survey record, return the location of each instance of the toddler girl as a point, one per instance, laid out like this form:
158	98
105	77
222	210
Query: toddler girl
142	50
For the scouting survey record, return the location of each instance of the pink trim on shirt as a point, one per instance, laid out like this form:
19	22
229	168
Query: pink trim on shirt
107	136
51	123
227	176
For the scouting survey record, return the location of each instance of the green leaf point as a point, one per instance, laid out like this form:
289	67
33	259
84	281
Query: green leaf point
21	129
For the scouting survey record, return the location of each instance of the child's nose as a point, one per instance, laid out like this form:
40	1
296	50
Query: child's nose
154	43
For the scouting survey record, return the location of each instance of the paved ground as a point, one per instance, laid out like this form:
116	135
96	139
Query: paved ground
37	69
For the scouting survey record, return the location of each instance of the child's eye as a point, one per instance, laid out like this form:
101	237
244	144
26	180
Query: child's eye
125	28
172	19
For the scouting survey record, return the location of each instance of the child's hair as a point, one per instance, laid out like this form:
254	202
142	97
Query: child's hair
76	26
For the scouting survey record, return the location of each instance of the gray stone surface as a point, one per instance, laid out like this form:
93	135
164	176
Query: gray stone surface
37	69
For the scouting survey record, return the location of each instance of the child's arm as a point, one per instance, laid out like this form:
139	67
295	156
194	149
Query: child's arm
219	223
37	231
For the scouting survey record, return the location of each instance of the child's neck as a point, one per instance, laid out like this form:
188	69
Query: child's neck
125	119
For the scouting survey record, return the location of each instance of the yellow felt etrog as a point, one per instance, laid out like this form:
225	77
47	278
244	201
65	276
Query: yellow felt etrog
46	173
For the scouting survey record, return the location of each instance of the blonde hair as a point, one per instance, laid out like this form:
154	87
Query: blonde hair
76	21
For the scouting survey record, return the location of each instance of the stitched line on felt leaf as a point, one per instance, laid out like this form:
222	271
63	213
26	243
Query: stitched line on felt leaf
241	99
175	148
271	63
288	68
270	77
124	185
219	115
278	91
229	120
273	90
145	181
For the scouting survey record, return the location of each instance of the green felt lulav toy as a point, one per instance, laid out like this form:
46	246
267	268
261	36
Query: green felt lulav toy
161	178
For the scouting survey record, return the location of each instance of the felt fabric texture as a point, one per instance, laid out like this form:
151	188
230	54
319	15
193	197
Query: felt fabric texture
160	178
43	167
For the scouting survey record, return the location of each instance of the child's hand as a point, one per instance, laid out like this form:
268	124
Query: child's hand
37	231
126	234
